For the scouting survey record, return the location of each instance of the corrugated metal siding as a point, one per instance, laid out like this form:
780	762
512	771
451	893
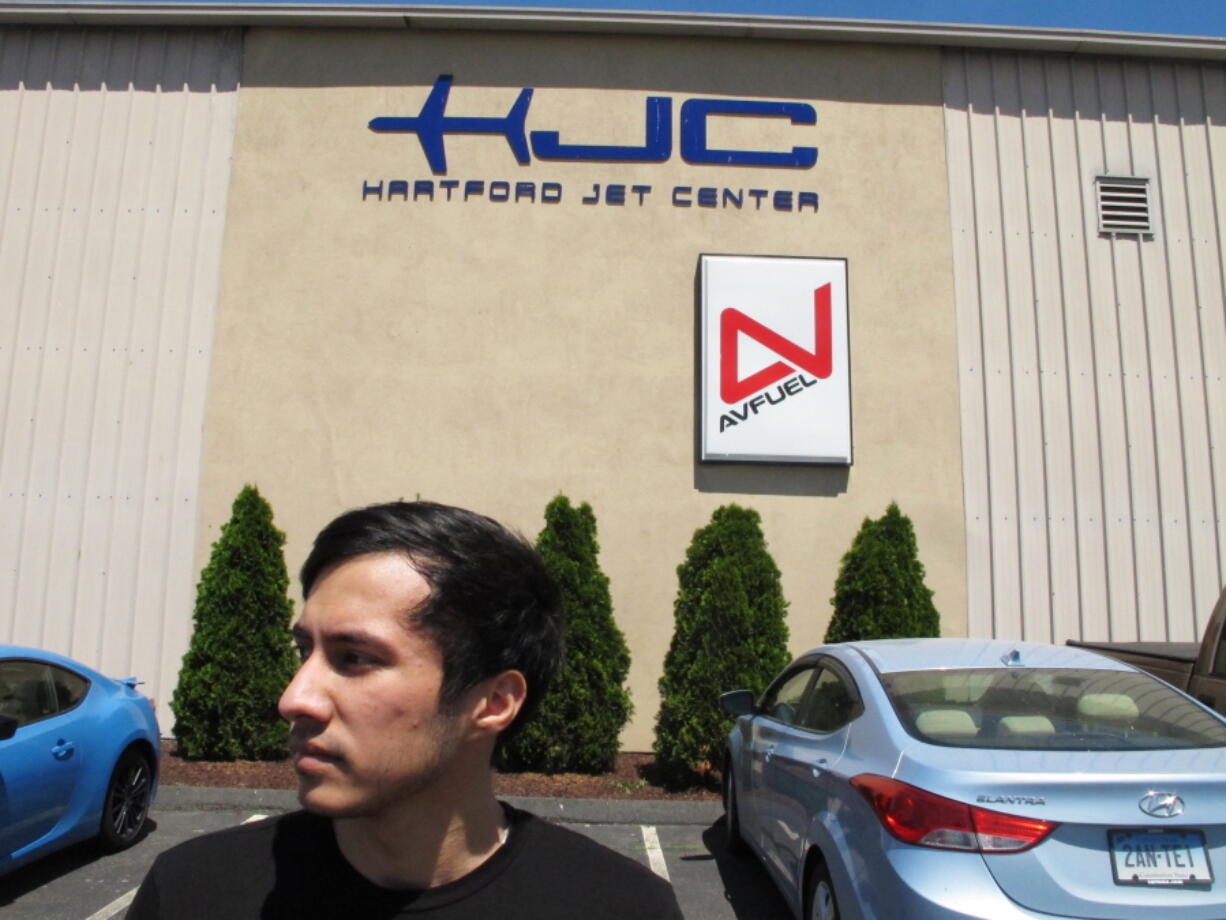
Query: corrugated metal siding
115	153
1091	367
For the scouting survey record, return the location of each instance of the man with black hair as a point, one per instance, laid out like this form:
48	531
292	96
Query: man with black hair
427	632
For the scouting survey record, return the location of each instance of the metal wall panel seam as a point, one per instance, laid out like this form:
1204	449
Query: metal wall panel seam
1023	114
1171	308
126	583
1097	384
52	403
1201	261
143	574
958	141
1077	321
176	622
90	419
167	602
36	373
1128	521
1187	474
957	145
151	479
1153	479
102	518
1068	374
990	521
191	256
1013	397
1218	461
8	610
1121	370
1147	339
80	267
186	433
1170	455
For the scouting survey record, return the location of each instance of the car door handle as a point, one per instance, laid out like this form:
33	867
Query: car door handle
63	749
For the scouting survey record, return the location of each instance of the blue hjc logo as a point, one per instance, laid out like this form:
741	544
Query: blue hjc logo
430	126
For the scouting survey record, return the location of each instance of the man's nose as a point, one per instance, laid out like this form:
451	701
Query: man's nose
306	696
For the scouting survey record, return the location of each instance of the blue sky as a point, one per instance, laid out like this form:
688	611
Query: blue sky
1174	17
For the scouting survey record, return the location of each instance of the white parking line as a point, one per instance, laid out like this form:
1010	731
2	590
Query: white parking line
655	855
124	900
114	907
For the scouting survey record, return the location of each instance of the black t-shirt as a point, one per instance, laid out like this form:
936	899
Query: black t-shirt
290	868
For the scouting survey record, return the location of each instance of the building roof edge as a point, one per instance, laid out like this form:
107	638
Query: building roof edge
419	16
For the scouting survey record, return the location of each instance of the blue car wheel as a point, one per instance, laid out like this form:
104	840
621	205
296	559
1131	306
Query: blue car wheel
127	801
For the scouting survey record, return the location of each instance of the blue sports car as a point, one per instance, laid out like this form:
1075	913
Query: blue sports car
78	756
961	778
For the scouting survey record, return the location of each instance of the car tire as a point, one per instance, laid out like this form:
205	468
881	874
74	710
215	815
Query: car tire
822	904
125	809
732	821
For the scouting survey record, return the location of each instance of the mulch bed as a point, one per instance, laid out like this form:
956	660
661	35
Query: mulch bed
627	781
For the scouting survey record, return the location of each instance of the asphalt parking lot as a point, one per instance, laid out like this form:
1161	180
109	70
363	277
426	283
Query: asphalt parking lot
683	841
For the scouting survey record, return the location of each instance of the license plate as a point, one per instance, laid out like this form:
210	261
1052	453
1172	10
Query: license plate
1170	858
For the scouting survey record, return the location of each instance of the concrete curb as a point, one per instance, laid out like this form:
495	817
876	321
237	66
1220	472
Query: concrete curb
569	811
208	798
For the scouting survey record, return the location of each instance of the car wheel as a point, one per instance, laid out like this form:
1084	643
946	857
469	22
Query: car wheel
822	903
126	807
732	821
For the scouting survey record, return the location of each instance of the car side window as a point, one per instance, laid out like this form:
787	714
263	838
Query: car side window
1218	668
27	692
69	688
784	700
831	703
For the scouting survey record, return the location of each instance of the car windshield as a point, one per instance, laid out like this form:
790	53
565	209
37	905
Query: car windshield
1065	709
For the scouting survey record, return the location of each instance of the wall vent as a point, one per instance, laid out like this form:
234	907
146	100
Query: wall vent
1123	205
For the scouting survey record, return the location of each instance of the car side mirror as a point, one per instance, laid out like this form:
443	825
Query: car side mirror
737	702
8	727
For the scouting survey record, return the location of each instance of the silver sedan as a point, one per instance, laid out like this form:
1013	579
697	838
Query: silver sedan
961	778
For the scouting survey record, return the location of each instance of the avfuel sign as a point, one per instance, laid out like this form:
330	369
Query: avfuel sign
776	386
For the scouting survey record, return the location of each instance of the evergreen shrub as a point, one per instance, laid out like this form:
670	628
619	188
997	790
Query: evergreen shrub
241	656
729	633
880	591
576	727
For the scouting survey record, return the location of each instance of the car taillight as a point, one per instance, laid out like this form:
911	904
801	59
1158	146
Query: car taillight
914	815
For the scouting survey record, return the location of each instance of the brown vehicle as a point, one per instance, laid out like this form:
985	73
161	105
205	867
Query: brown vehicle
1198	669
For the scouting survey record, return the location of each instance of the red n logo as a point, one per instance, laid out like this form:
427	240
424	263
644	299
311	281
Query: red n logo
732	389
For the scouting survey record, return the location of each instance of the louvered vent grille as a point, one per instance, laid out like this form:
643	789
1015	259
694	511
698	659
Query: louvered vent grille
1123	205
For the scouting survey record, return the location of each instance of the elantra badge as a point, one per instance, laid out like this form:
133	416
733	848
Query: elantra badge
1162	805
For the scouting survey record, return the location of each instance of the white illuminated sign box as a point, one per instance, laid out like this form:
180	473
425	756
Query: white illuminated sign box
776	386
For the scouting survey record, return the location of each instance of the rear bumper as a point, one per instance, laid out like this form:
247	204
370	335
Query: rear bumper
924	884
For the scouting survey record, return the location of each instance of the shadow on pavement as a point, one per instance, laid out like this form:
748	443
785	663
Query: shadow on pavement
21	882
748	889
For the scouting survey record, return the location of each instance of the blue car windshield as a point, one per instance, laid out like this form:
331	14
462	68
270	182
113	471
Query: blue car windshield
1062	709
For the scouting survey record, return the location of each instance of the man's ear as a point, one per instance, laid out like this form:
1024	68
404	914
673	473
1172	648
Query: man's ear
499	703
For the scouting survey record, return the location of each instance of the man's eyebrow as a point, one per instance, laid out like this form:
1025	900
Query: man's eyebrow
342	637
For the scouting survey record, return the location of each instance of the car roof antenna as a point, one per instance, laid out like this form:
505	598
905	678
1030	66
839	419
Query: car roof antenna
1012	659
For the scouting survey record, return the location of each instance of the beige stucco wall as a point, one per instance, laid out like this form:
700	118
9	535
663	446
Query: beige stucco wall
492	355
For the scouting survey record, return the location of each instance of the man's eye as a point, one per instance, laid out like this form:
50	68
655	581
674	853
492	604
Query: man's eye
356	659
